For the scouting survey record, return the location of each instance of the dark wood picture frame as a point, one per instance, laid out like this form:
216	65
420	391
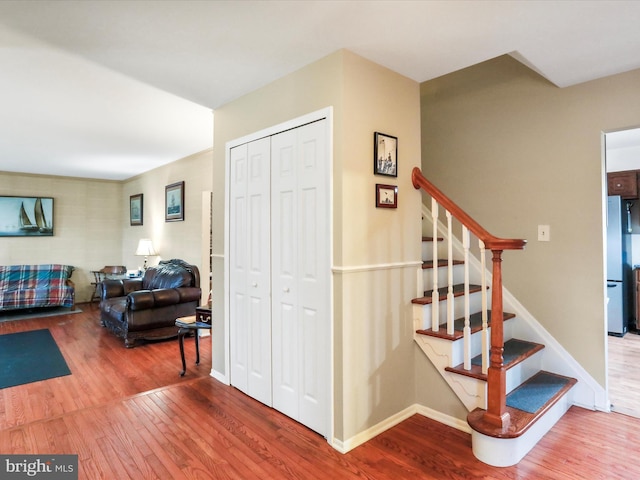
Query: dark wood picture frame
385	154
174	202
386	196
26	216
136	209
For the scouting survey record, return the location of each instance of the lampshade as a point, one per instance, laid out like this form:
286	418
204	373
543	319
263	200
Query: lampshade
145	247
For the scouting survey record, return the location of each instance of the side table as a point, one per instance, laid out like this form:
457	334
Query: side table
202	321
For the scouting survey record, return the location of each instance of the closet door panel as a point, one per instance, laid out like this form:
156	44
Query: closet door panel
237	268
301	239
314	277
259	270
250	275
284	234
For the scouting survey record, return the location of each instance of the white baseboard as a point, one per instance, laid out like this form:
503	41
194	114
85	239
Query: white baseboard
440	417
221	377
366	435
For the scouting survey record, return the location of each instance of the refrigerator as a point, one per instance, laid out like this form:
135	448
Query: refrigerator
619	268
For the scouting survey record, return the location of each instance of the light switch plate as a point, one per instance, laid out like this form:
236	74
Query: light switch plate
544	233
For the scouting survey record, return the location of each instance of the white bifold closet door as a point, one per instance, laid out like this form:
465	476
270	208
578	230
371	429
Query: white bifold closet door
280	272
300	267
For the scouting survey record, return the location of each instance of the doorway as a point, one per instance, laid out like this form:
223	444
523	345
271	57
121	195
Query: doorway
622	154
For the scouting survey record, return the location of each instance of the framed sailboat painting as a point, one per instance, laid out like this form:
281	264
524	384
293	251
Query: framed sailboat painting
26	216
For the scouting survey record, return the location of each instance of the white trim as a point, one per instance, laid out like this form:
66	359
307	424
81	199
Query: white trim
393	420
369	433
372	268
448	420
221	377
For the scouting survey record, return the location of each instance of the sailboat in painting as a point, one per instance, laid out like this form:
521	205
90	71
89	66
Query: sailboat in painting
25	221
40	225
41	220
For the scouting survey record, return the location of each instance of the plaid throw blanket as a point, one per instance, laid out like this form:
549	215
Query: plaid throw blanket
26	286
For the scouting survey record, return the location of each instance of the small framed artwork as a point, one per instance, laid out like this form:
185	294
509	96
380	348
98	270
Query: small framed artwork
135	209
174	202
385	155
386	196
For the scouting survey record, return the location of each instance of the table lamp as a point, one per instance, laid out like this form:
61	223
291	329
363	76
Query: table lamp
145	248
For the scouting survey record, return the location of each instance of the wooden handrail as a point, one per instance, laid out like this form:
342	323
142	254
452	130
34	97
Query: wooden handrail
491	242
496	413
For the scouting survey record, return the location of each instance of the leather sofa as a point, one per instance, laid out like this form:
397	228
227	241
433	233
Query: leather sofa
147	308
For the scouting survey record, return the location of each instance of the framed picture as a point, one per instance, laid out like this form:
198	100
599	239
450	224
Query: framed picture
26	216
174	202
135	209
386	196
385	155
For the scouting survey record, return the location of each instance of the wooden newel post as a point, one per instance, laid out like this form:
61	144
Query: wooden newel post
496	413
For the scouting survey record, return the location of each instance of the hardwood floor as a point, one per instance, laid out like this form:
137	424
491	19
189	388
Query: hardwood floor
624	374
128	414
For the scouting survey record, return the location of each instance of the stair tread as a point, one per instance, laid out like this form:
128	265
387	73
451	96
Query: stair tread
458	290
475	323
555	387
441	263
430	239
515	352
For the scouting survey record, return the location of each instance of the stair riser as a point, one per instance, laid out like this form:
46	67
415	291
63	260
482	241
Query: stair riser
427	250
475	305
523	371
457	347
443	276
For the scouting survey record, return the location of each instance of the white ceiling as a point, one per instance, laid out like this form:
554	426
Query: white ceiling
110	89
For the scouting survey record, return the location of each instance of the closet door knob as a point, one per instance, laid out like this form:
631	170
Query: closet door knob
286	289
254	284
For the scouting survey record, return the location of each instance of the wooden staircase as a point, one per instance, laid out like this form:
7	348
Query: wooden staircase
498	376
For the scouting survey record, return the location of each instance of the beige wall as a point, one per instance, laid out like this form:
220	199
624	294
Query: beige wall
181	239
380	247
87	233
516	151
91	220
373	349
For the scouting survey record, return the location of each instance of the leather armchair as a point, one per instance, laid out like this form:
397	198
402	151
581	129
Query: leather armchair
147	308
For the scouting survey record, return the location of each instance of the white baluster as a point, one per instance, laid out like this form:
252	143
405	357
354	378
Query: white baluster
450	297
467	327
485	316
435	296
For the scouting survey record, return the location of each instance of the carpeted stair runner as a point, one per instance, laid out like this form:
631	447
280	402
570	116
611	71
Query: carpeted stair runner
536	392
513	349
